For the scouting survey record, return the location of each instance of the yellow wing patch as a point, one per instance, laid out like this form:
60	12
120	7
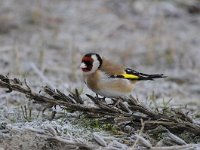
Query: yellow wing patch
130	76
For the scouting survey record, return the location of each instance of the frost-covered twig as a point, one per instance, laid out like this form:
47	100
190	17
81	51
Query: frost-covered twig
41	75
177	147
176	123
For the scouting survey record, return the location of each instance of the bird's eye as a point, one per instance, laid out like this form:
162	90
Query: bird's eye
88	63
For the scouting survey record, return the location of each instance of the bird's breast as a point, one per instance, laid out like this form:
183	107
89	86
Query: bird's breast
101	84
92	82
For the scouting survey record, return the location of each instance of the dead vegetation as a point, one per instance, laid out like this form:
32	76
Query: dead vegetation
133	114
44	41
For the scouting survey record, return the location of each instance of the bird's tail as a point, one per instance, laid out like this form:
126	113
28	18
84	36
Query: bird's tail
142	76
151	76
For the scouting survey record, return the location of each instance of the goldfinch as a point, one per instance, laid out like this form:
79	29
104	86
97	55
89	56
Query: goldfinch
108	79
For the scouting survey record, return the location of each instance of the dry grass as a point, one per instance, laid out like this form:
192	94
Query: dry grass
174	122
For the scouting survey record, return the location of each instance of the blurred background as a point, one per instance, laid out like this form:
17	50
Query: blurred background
44	40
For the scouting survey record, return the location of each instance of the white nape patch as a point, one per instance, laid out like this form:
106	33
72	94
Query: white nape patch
83	65
96	63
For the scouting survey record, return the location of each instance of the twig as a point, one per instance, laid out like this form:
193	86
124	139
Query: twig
141	130
175	138
71	144
182	147
41	75
176	124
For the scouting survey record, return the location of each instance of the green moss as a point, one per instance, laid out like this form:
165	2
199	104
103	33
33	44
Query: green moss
197	115
95	123
110	127
189	137
157	133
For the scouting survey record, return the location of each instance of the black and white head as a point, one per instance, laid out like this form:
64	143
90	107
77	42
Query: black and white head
90	63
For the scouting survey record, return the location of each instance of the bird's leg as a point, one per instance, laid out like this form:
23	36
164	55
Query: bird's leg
102	99
117	102
97	96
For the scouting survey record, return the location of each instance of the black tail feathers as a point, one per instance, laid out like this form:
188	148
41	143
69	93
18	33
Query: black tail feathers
143	76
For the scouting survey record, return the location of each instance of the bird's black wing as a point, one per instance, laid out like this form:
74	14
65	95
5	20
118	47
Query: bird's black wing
142	76
131	74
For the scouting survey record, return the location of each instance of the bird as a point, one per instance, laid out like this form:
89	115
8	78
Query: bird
107	79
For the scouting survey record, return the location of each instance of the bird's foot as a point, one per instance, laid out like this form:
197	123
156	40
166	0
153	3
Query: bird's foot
100	98
116	102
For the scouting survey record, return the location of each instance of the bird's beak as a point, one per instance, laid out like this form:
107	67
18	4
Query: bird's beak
82	66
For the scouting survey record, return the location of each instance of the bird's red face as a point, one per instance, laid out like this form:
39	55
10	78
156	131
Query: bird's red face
90	63
87	63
